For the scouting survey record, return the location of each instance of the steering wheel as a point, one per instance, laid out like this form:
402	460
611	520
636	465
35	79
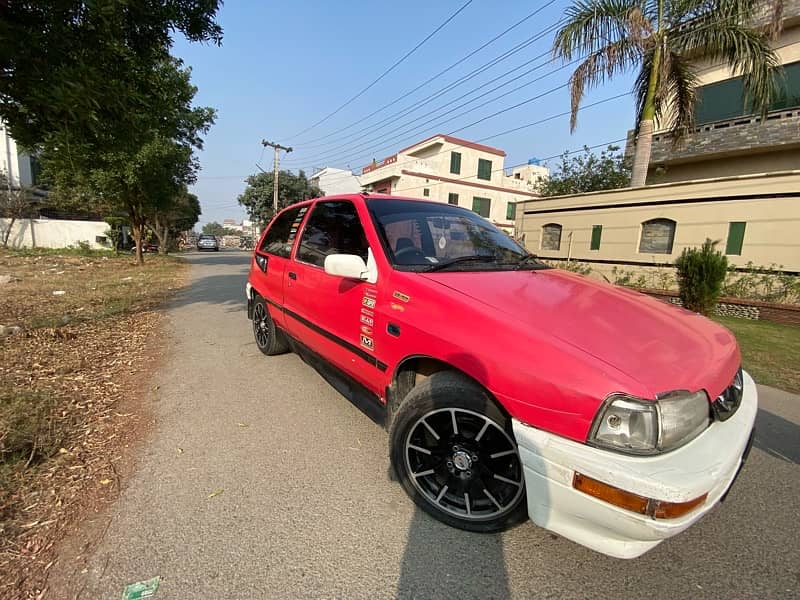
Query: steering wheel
409	254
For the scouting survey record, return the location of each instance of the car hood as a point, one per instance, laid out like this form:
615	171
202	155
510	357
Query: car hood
662	347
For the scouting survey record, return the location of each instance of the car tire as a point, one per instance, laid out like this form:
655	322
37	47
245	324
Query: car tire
449	444
269	339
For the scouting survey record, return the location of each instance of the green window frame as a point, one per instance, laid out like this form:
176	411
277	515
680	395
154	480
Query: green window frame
597	233
484	169
455	162
511	211
482	206
735	241
452	198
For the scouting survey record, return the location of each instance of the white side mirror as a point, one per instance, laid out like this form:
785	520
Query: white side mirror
346	265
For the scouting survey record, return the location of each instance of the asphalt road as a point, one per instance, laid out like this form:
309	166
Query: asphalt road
307	508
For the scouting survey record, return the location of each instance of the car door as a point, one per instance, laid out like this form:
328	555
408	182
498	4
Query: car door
333	315
272	256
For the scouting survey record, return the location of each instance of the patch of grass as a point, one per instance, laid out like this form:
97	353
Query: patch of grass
50	289
71	251
770	351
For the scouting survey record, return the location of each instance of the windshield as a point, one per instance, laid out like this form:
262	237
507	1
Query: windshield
428	236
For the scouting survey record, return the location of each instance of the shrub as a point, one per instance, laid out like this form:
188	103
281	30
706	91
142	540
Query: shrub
701	273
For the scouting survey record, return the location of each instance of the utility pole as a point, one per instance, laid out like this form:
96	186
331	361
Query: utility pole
277	148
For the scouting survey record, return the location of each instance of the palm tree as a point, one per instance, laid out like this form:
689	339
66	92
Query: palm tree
661	39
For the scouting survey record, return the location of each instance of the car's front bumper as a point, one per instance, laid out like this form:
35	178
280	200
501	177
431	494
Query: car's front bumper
708	464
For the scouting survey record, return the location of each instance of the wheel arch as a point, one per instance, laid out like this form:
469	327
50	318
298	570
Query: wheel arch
415	368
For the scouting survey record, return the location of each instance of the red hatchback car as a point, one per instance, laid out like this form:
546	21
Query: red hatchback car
509	388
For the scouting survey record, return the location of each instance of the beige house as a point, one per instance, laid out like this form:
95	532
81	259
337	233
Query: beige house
756	218
456	171
727	139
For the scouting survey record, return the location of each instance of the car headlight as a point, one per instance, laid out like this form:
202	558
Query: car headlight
636	426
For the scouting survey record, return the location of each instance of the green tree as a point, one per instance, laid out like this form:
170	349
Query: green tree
144	171
701	274
257	198
661	39
587	172
72	68
173	217
218	230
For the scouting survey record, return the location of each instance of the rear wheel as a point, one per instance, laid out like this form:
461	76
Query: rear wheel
454	452
269	339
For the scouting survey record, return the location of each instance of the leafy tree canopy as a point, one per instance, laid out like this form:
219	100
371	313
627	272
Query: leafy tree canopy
587	172
78	73
257	197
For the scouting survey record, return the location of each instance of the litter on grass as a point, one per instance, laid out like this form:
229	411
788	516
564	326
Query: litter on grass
141	589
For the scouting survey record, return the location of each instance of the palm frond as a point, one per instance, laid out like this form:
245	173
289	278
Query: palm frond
593	24
599	66
680	95
744	49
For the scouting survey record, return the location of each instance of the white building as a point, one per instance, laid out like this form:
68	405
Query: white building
334	181
15	164
456	171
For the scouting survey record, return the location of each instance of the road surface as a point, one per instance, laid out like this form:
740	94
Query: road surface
305	506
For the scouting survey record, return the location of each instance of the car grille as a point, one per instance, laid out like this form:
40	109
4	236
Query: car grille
727	403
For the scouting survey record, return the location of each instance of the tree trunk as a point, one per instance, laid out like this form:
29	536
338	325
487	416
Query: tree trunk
137	229
7	233
641	156
163	240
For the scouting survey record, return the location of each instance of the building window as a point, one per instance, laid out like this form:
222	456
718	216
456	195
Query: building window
551	237
511	211
657	236
481	206
455	162
452	198
727	99
484	169
735	238
426	192
597	232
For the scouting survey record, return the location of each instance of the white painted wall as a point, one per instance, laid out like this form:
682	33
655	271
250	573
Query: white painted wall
334	181
53	233
14	163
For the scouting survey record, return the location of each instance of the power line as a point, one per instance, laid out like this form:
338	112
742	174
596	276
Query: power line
416	126
451	86
436	76
387	71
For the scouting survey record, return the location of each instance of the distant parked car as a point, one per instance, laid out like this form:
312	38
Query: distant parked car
208	242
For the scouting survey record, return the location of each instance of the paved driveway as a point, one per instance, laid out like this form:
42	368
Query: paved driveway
307	508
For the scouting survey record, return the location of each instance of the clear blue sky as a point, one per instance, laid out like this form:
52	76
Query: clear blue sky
285	65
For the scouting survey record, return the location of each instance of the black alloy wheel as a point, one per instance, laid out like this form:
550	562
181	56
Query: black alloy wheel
269	339
455	455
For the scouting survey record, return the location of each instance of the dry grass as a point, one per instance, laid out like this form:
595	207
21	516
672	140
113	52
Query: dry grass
71	384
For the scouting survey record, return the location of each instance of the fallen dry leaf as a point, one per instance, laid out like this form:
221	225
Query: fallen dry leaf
215	493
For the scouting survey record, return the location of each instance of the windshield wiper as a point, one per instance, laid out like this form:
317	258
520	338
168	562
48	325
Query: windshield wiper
531	258
460	259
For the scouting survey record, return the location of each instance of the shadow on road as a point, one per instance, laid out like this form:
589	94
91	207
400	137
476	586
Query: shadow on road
442	562
777	437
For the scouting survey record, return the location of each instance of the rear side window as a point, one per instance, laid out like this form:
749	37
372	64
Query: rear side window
281	234
332	228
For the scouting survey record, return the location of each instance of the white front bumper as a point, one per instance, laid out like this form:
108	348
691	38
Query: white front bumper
708	464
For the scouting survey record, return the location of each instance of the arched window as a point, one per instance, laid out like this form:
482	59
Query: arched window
551	236
657	236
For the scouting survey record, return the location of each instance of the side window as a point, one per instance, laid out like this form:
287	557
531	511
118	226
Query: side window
281	234
332	228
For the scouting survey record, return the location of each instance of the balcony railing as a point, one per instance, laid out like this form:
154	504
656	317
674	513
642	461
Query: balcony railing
732	136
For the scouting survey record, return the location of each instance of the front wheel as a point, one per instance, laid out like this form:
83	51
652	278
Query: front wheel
453	450
269	339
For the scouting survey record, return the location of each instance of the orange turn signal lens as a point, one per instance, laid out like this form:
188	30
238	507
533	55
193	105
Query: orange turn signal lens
629	501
